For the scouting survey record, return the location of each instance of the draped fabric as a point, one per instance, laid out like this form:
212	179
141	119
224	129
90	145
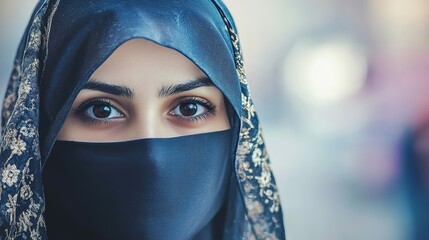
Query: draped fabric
37	100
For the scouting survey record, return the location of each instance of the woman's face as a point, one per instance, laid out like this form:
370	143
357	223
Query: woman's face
144	90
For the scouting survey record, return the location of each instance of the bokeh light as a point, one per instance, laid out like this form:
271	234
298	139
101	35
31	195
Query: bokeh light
325	72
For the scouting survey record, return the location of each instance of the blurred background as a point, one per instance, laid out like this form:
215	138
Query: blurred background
341	88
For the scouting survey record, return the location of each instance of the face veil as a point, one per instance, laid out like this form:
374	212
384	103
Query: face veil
65	42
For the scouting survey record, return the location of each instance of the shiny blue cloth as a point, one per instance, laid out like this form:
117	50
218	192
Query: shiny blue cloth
154	189
66	41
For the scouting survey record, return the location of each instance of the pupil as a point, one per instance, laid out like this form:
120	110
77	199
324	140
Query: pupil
101	110
188	109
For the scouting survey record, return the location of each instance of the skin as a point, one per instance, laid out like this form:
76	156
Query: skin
148	72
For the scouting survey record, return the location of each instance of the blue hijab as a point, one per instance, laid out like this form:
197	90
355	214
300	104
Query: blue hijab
66	41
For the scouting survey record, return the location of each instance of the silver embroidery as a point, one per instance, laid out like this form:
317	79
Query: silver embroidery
21	197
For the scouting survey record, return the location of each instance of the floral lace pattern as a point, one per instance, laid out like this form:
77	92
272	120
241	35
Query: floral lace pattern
252	162
21	194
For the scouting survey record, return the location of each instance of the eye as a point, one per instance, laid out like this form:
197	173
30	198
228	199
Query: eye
102	110
193	109
99	110
188	109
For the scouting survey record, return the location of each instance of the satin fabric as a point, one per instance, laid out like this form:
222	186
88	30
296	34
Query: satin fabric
162	188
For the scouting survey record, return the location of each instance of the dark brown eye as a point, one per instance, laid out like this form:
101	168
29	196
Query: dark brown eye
192	109
188	109
101	110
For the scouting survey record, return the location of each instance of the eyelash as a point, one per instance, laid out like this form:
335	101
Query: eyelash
94	121
210	109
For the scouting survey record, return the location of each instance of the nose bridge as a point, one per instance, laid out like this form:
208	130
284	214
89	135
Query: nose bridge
147	124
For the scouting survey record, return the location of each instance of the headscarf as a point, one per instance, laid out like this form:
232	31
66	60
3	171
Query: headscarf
66	41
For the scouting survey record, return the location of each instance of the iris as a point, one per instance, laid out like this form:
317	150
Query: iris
101	110
188	109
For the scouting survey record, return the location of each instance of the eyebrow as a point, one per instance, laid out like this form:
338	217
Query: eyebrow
166	91
94	84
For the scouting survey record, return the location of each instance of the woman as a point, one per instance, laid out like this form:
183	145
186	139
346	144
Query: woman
133	120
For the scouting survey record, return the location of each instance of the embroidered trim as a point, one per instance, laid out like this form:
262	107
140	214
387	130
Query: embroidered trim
21	192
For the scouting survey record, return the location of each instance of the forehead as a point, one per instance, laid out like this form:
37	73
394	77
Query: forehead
141	63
